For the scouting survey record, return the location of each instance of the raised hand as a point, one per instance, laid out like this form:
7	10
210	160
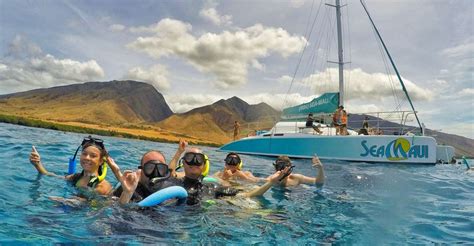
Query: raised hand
227	174
115	168
182	145
316	161
130	180
35	157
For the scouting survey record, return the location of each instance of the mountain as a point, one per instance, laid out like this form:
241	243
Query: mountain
114	102
216	121
463	146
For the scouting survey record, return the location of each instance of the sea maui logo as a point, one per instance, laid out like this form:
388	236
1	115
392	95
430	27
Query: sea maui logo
397	150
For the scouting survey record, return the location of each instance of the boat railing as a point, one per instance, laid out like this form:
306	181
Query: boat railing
380	123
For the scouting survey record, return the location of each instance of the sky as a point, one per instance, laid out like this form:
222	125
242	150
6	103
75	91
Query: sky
277	52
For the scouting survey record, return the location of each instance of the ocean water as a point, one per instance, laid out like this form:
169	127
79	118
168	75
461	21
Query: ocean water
361	204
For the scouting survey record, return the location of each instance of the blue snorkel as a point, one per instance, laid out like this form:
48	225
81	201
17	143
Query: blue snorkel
72	162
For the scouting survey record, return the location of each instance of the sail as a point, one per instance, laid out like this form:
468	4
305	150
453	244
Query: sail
326	103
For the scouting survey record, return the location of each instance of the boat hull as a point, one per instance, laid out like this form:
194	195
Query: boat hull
366	148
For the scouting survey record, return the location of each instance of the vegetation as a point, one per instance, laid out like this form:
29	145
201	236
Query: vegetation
18	120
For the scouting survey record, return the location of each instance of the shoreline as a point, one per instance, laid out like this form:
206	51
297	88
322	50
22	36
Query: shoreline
77	127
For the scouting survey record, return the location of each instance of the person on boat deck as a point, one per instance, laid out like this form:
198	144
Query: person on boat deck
236	130
194	165
336	119
310	123
152	175
233	170
283	163
365	127
92	162
343	126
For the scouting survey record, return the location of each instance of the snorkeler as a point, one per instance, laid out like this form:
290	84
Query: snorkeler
233	170
290	179
151	176
194	164
92	160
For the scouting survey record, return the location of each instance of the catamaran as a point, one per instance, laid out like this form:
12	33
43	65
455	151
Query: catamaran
399	142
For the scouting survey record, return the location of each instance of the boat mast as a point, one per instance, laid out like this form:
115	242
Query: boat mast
339	51
394	68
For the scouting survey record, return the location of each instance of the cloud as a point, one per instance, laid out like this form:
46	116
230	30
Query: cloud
155	75
21	47
226	55
117	28
367	86
181	104
297	3
29	68
467	92
210	14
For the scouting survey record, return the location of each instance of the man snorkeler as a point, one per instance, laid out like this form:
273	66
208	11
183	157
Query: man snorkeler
283	163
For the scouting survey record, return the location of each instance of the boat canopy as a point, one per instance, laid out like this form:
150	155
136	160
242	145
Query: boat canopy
326	103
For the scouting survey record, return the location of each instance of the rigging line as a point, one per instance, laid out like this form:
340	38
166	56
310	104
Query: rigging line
394	67
314	61
330	36
387	69
299	61
347	74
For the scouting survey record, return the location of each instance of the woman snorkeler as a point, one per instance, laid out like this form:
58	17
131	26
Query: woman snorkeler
93	162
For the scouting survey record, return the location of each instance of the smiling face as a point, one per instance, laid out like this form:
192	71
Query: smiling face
192	171
91	159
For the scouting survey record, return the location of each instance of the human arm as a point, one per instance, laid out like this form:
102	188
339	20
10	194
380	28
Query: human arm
271	180
35	160
115	169
247	176
319	180
129	183
174	161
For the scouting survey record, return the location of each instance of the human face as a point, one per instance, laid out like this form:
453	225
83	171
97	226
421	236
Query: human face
151	156
232	163
90	159
193	171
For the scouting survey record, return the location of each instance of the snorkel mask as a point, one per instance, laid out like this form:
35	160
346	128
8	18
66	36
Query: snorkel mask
280	165
232	159
103	167
195	159
155	171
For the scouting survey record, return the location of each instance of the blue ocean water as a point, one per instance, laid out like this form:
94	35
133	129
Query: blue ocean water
364	204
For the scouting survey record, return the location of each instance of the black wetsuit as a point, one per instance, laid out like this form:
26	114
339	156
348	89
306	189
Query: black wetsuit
143	191
195	187
197	190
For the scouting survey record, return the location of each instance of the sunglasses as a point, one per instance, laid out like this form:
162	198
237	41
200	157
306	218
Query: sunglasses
232	160
194	159
95	141
153	169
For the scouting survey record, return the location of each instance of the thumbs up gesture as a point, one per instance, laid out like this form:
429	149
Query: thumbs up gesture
35	157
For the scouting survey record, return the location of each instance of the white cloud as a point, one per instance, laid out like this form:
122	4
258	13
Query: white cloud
367	86
181	104
285	79
31	69
227	55
21	47
155	75
117	27
297	3
461	50
467	92
211	15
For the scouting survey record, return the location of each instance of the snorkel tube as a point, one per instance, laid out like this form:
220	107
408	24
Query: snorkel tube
72	162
